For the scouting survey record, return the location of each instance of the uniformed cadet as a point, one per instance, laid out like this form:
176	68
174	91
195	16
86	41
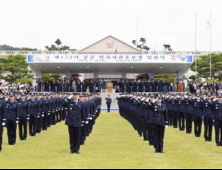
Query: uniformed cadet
189	110
147	86
168	102
45	113
108	103
54	109
60	102
174	111
64	110
208	107
198	115
40	113
74	121
2	119
218	120
23	116
181	112
159	121
12	116
83	128
99	104
50	113
33	103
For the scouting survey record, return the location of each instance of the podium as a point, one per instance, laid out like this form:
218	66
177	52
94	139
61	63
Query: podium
109	87
180	87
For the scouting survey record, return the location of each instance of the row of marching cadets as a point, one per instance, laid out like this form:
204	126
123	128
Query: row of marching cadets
150	114
36	112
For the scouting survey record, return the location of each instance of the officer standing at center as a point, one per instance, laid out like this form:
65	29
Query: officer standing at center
108	102
159	121
74	121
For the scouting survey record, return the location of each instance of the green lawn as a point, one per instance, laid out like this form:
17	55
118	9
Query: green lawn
113	144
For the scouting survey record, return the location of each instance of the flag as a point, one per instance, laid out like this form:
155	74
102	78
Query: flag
208	24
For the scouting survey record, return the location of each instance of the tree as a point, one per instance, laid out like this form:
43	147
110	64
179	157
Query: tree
143	77
58	43
75	77
10	48
203	66
141	45
167	77
14	68
167	47
50	77
193	77
58	46
134	42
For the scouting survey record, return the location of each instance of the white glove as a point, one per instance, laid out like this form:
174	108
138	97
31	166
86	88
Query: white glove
3	124
17	122
43	115
70	97
166	127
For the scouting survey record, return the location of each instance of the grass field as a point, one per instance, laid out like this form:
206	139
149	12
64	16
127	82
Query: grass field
113	144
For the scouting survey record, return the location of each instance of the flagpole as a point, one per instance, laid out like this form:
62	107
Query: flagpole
210	48
196	44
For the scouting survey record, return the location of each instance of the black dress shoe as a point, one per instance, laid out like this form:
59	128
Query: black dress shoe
77	152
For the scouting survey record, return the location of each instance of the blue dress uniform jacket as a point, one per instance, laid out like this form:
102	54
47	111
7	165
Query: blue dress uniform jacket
198	108
2	111
24	109
218	111
75	113
175	106
34	108
45	107
160	115
189	106
208	108
12	111
181	105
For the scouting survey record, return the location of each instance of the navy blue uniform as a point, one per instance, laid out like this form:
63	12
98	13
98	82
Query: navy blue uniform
218	122
189	114
33	117
40	115
108	103
12	116
74	122
45	111
181	113
159	120
23	116
147	87
2	120
198	117
175	109
208	107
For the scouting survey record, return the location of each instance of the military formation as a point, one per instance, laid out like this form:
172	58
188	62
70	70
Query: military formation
150	114
34	113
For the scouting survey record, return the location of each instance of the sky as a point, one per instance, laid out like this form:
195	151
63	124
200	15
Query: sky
80	23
